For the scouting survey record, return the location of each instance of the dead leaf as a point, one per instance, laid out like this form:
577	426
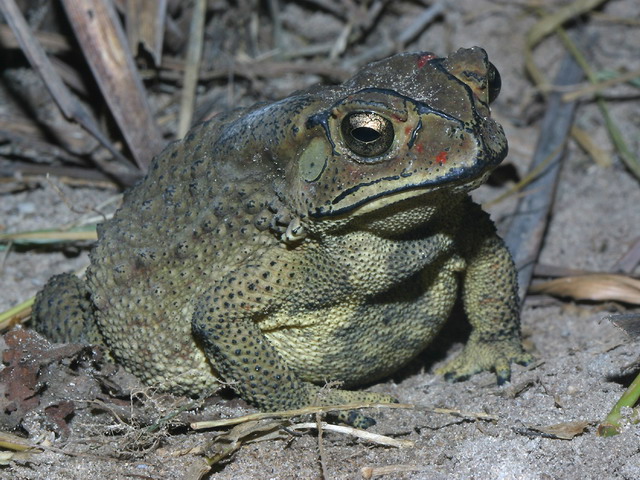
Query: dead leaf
60	413
628	322
566	430
26	354
561	431
597	287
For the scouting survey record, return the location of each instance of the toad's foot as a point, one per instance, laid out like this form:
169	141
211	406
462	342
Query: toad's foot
480	355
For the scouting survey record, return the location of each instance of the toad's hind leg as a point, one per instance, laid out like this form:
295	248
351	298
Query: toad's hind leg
63	311
246	359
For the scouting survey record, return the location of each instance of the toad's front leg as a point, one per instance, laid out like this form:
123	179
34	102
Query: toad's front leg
490	296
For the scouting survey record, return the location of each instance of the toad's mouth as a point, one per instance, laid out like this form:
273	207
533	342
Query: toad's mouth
353	202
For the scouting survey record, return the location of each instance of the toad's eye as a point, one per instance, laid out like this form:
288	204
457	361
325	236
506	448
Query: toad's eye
495	83
367	134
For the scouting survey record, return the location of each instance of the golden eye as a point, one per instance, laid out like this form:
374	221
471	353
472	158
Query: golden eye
367	134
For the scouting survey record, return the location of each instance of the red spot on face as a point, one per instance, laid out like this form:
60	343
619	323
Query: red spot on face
407	130
422	61
441	158
420	147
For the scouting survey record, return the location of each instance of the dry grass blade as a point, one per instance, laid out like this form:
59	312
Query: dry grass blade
103	43
600	86
51	236
371	472
229	442
293	413
145	26
13	442
595	287
17	448
362	434
72	176
52	42
454	412
194	52
549	24
586	142
16	315
266	429
616	19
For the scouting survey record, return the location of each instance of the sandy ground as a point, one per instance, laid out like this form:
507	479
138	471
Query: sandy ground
583	363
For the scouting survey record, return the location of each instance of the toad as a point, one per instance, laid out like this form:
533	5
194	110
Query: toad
321	237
